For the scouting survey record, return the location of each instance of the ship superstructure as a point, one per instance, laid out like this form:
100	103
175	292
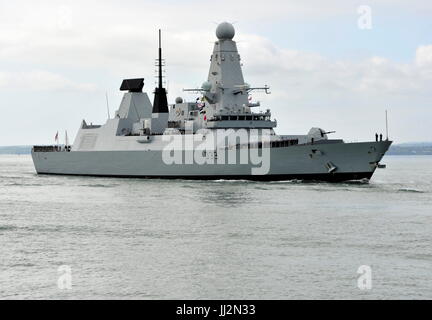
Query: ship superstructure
221	135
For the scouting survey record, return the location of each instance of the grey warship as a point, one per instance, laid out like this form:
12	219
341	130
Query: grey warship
218	136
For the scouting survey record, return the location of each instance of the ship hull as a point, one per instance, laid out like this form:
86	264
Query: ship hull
335	177
352	161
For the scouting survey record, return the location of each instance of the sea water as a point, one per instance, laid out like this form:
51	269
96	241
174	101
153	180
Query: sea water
67	237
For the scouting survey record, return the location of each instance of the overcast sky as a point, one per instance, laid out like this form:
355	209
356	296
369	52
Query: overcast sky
327	66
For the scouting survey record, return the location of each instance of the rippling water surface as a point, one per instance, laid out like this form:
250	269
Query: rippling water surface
160	239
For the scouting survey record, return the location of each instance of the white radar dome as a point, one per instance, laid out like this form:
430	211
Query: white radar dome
225	31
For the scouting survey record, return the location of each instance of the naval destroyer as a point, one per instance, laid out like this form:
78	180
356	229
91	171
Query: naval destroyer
218	136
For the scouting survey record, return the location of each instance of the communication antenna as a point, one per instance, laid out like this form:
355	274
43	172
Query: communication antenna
160	64
160	103
107	103
386	125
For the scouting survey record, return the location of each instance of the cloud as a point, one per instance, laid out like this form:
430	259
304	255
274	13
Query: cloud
53	46
349	96
40	80
424	56
311	71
